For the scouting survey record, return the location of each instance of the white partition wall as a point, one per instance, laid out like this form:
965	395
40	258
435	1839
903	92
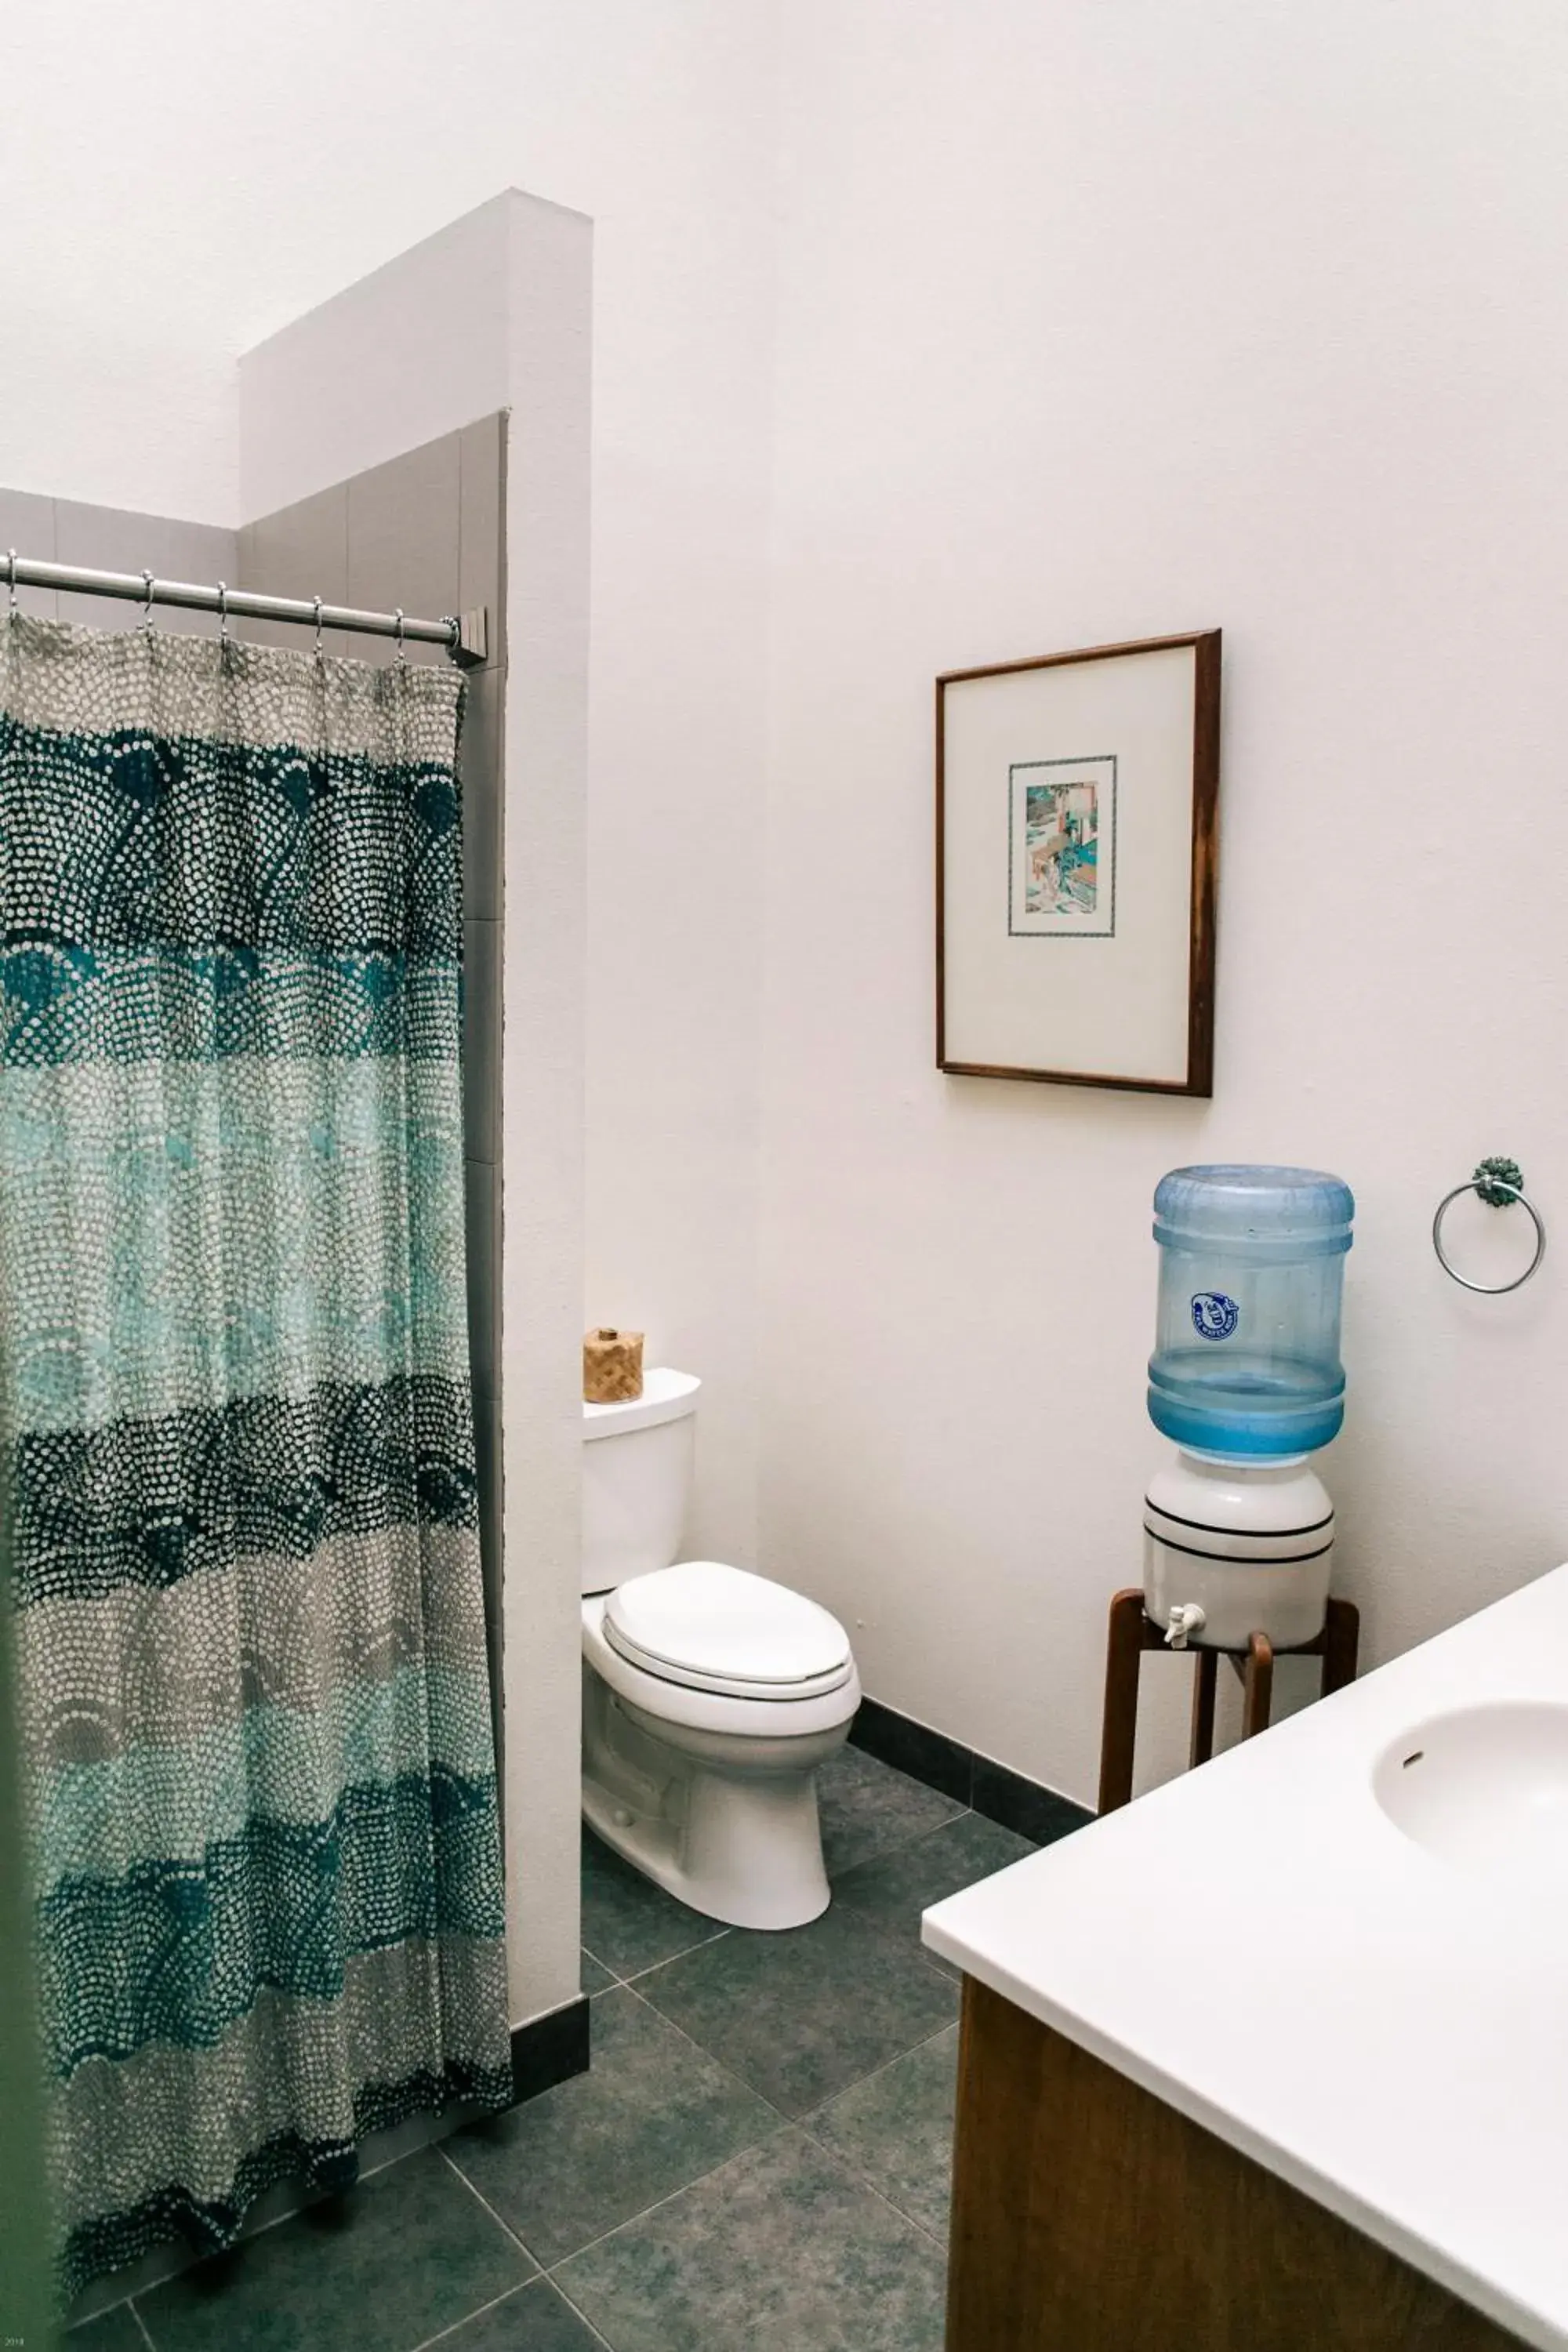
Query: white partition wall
493	313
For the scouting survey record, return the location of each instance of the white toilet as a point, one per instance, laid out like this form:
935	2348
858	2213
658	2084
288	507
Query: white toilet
710	1695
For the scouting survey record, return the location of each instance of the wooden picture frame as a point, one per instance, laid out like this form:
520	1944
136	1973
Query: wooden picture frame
1077	809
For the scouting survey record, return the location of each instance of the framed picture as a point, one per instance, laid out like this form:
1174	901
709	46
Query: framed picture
1076	804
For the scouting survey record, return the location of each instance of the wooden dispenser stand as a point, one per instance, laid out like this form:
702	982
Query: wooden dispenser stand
1134	1631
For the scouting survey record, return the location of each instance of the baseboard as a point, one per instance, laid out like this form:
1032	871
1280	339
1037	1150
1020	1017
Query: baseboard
549	2050
995	1789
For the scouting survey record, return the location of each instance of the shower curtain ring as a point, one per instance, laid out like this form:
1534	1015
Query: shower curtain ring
147	583
223	612
10	560
402	656
317	602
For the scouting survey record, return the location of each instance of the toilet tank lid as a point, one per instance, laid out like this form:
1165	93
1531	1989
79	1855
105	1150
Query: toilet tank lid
666	1395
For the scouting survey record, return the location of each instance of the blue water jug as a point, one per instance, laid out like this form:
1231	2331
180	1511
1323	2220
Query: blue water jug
1246	1347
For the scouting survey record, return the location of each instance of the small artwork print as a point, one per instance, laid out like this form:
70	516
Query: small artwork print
1062	848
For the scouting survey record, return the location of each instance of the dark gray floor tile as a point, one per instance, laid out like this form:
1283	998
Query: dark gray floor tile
898	1886
111	2331
782	2251
651	2114
537	2319
596	1978
408	2253
866	1806
897	2128
804	2014
628	1921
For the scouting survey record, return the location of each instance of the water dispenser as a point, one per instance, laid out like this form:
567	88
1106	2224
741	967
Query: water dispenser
1247	1345
1245	1376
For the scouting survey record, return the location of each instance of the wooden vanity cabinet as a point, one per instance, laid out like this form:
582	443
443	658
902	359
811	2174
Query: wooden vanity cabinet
1088	2216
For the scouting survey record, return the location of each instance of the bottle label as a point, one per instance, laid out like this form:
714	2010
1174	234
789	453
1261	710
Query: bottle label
1215	1317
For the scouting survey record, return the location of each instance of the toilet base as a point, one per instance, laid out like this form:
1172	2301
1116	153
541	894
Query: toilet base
719	1877
728	1826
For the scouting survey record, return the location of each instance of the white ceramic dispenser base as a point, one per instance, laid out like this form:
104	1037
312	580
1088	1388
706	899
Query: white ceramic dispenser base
1236	1548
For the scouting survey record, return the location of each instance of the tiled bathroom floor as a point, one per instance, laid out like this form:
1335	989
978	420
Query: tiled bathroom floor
757	2158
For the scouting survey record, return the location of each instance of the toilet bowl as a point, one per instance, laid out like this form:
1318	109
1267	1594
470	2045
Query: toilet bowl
710	1694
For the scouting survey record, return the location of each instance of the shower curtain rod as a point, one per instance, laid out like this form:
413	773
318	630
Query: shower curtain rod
464	635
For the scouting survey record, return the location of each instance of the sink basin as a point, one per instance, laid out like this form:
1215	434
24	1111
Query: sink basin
1485	1788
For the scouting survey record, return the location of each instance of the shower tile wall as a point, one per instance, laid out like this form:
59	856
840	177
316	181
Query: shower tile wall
425	531
303	543
111	539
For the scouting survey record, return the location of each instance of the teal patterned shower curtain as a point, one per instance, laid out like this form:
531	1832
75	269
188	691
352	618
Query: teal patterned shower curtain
248	1613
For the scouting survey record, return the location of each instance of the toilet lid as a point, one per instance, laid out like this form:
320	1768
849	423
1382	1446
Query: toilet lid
717	1628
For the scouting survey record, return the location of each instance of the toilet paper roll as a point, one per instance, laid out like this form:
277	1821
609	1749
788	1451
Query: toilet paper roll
611	1365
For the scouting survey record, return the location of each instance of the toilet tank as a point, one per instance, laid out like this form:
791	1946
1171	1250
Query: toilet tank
637	1479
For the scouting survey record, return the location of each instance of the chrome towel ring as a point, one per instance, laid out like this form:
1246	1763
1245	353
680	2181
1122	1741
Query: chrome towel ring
1499	1184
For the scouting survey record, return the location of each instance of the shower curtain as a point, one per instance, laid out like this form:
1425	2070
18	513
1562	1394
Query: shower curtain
248	1614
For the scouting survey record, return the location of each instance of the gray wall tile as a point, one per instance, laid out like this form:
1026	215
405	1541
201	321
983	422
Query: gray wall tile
27	524
111	538
488	1474
300	551
488	1448
482	470
404	530
481	1193
480	758
481	1039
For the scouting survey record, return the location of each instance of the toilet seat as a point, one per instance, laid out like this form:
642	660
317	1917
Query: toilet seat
710	1627
766	1713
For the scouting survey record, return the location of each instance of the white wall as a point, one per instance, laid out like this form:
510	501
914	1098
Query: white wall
187	182
1097	323
1091	322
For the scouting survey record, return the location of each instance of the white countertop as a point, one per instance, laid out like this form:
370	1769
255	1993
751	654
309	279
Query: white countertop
1256	1943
